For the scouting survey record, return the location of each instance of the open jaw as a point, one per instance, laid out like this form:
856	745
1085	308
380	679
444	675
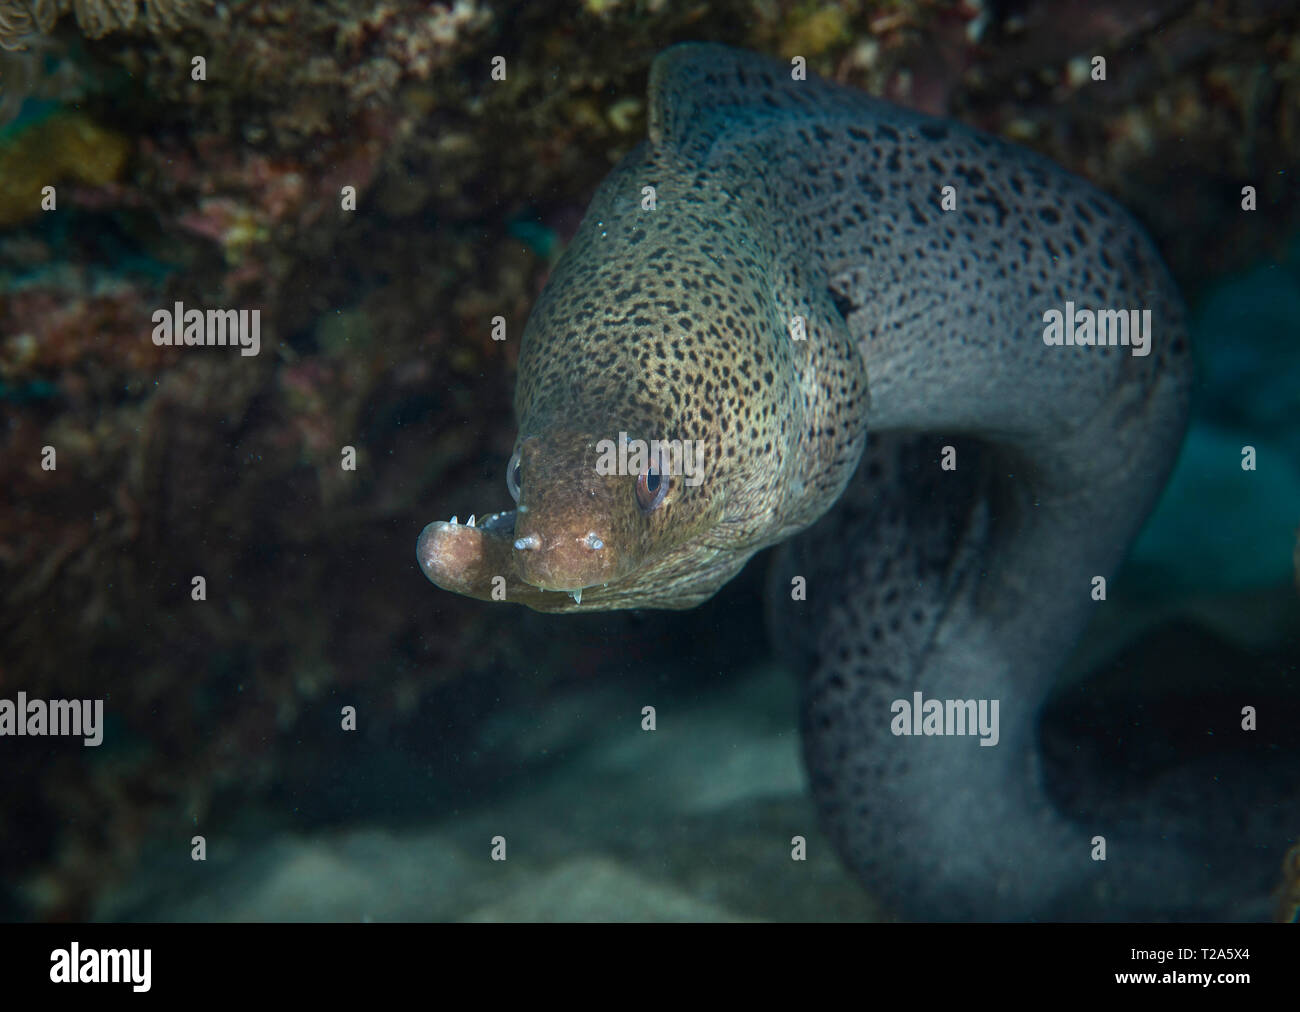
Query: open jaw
479	558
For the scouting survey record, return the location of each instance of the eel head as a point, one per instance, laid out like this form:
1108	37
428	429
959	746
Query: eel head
590	535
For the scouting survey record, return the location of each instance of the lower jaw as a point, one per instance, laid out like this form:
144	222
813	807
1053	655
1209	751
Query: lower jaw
557	587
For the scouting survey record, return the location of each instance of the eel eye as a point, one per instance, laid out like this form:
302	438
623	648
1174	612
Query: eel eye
651	487
513	475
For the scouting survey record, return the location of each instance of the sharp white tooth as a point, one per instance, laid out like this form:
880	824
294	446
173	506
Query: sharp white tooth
470	522
454	521
576	595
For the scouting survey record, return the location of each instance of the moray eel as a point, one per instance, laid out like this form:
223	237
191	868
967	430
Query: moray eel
792	298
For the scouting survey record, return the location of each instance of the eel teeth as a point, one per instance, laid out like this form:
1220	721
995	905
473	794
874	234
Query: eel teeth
454	521
576	595
470	522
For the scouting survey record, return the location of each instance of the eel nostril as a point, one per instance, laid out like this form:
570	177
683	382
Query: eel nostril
532	541
593	542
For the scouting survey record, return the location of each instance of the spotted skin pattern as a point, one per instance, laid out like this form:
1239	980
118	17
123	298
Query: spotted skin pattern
789	208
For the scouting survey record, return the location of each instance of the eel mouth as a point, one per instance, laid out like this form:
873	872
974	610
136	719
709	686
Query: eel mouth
463	557
483	558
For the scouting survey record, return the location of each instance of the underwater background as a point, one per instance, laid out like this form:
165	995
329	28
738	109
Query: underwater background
473	720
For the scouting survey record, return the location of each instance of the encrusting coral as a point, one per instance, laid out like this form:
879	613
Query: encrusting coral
64	146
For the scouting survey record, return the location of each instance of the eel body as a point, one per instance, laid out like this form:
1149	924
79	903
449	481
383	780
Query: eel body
779	280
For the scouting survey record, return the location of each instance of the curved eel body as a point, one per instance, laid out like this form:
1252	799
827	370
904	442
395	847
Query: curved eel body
775	281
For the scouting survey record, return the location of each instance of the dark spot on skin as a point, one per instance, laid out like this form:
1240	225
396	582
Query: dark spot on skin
998	208
843	304
871	189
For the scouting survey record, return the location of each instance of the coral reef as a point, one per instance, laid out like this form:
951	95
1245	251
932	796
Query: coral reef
44	73
21	20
